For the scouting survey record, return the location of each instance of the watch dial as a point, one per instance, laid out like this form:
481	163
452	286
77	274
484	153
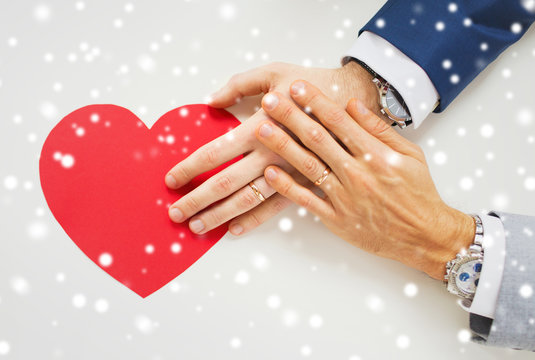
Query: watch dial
468	276
394	105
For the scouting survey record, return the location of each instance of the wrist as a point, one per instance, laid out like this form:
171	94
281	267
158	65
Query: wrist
454	232
358	83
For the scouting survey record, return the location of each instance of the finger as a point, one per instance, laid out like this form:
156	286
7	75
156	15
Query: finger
381	130
332	116
265	211
212	155
217	187
285	185
251	82
306	162
238	203
314	136
259	215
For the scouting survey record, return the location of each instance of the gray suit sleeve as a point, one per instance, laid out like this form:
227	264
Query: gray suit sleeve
514	320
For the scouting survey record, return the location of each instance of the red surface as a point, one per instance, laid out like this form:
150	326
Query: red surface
113	198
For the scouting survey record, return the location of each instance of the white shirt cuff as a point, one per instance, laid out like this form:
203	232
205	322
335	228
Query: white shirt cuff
490	280
407	77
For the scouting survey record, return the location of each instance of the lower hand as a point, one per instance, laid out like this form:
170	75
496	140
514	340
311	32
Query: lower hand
237	200
379	194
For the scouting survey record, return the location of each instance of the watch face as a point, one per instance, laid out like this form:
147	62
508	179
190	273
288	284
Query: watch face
468	276
395	105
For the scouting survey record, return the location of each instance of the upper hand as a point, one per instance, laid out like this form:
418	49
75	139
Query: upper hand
379	194
237	200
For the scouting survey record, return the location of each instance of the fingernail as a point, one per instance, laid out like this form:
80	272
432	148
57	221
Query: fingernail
236	229
270	101
271	174
361	108
176	215
265	130
196	226
170	181
298	88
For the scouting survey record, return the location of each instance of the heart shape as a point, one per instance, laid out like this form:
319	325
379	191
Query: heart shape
102	173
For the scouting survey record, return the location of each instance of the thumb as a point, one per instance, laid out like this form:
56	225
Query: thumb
380	129
251	82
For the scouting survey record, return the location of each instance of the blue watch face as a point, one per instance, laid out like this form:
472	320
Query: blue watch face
468	276
395	105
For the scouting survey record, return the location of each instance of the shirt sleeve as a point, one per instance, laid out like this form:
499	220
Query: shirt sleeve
490	280
407	77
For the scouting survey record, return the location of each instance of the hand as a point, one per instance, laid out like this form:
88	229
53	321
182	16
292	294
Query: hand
379	194
229	188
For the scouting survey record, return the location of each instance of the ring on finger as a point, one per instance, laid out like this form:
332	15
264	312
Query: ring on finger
257	192
323	177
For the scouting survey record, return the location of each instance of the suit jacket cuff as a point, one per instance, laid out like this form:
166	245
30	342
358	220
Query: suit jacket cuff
409	79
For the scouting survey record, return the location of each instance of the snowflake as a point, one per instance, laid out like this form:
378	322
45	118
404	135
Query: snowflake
380	23
315	321
101	305
273	301
79	301
285	224
466	183
464	336
410	290
11	182
440	158
41	13
526	291
290	318
403	341
516	28
227	11
105	259
375	303
242	277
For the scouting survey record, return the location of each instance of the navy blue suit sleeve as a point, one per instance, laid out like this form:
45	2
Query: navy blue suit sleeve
411	26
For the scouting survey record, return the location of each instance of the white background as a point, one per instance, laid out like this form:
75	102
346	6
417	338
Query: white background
278	292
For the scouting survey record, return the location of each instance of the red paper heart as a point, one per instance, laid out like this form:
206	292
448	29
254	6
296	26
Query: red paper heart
102	172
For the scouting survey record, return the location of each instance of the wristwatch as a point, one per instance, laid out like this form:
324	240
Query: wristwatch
392	104
462	273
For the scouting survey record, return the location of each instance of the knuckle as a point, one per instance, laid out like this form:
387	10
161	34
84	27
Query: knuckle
214	218
285	188
223	184
352	172
247	200
304	201
209	155
287	113
282	144
191	205
315	136
181	172
310	166
312	97
334	116
254	219
379	127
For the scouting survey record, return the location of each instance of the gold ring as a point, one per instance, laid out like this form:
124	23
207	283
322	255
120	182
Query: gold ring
257	192
323	176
